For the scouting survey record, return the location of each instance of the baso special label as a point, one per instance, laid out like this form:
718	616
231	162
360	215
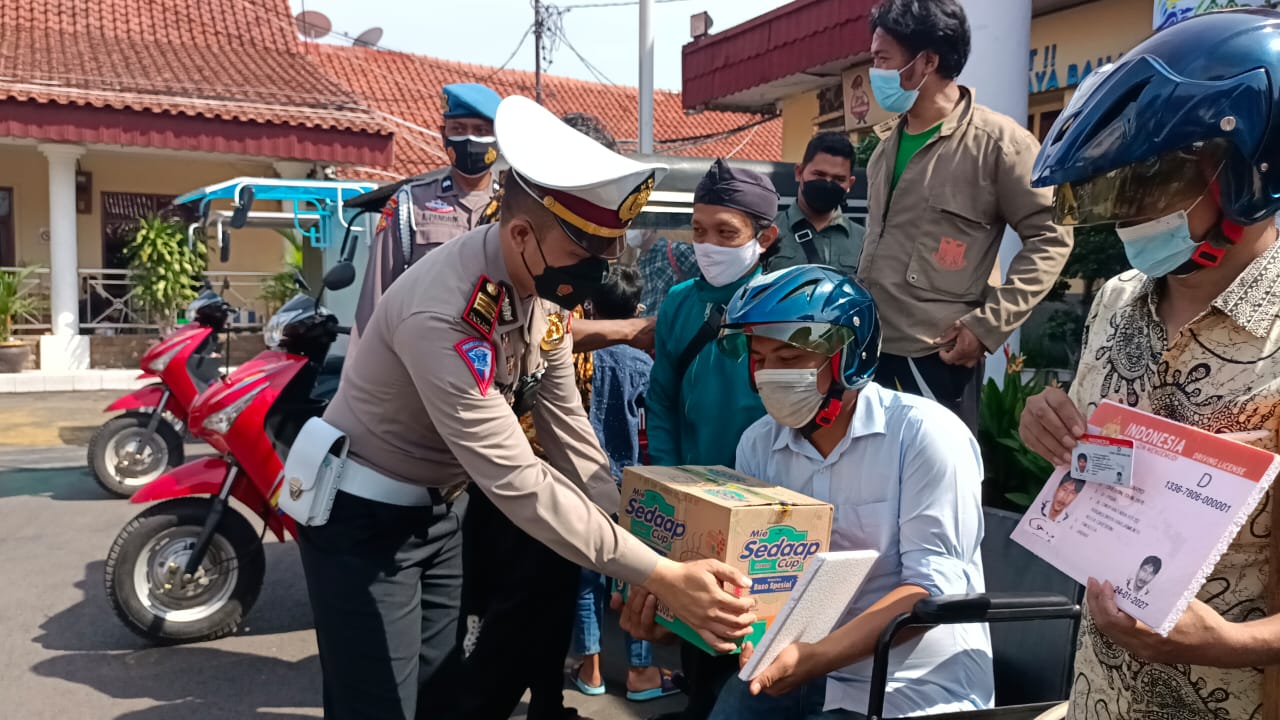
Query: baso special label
653	519
781	548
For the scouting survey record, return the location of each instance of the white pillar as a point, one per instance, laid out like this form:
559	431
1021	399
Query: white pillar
646	77
66	349
63	250
997	71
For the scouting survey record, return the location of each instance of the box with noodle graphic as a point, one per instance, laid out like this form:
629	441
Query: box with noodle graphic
692	512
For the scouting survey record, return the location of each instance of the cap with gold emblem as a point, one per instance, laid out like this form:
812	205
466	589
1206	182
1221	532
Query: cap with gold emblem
593	192
470	100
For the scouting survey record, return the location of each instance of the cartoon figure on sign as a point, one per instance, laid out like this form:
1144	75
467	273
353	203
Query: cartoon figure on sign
859	101
950	254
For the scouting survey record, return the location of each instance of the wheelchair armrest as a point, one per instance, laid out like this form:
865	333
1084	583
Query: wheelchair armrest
958	609
992	607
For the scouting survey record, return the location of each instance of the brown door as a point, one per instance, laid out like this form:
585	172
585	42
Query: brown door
8	253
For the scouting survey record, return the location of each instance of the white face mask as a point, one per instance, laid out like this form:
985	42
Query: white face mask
790	396
635	238
723	265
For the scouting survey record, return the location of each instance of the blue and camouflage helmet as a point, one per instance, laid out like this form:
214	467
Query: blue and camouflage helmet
1192	109
814	308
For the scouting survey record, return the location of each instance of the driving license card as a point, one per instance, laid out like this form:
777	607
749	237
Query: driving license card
1102	459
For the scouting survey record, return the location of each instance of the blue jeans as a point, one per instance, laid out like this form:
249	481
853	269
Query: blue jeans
804	703
586	631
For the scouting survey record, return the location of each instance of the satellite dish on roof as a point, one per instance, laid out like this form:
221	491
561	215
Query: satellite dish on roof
369	38
313	24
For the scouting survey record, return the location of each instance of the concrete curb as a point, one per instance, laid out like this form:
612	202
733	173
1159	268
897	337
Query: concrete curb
35	381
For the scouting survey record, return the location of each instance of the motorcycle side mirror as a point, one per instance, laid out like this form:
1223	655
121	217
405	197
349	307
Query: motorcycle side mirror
244	203
340	276
224	253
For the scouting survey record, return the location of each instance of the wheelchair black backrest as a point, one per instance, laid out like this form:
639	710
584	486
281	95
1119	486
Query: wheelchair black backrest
1033	660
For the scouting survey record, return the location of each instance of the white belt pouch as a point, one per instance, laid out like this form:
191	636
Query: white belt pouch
313	471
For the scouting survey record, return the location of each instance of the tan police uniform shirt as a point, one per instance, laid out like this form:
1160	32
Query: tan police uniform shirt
416	409
932	249
1219	373
418	218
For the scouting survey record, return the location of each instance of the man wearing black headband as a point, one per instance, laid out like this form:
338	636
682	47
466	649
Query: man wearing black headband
700	401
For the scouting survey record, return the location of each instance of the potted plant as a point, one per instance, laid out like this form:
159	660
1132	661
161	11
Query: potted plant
14	303
281	287
164	269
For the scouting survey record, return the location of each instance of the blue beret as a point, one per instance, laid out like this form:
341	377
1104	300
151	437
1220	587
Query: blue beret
470	100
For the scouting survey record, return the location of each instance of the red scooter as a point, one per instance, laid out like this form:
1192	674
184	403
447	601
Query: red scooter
133	449
187	569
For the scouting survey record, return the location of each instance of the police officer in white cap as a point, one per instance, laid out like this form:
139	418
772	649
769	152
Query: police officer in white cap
454	352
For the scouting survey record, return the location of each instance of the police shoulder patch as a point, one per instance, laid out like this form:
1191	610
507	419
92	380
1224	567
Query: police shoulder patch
486	303
478	356
388	212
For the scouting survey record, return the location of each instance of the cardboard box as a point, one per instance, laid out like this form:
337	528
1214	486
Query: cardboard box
691	512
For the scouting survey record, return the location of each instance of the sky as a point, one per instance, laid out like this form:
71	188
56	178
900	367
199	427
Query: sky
485	32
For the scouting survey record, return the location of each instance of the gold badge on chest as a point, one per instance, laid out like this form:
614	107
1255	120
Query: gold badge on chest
557	331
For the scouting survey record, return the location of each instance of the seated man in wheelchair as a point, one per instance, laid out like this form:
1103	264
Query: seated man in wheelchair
905	477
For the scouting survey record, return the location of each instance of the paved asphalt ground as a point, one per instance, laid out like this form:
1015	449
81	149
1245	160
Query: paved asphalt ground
65	656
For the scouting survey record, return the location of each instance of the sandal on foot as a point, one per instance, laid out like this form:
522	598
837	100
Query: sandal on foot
584	688
668	687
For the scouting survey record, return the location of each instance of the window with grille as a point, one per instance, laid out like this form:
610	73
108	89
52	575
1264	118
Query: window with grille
120	214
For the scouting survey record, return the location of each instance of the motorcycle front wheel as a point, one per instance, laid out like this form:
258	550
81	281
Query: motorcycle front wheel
124	456
145	563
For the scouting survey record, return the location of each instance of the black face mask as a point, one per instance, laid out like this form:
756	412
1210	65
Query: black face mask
472	156
822	196
567	285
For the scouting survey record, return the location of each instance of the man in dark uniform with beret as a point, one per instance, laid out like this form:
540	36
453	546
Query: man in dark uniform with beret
424	214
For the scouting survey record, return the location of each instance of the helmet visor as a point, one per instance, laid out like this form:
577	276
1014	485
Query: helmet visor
1143	191
822	338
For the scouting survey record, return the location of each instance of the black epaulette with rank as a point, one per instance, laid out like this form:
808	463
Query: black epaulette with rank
490	303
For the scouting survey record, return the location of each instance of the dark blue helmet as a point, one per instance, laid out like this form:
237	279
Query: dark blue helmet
1210	84
814	308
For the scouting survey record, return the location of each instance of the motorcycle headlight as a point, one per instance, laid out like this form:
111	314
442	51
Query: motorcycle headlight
159	364
273	333
221	421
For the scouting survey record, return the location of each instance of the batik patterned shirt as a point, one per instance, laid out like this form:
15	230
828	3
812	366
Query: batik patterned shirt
1220	373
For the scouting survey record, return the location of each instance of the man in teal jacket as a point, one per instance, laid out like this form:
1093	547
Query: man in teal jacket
700	401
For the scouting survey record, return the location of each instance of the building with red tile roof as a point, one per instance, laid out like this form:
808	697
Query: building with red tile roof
109	108
226	77
404	90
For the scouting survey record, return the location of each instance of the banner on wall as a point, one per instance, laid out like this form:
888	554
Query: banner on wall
1171	12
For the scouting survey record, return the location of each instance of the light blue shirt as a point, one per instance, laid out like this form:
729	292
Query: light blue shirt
907	482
